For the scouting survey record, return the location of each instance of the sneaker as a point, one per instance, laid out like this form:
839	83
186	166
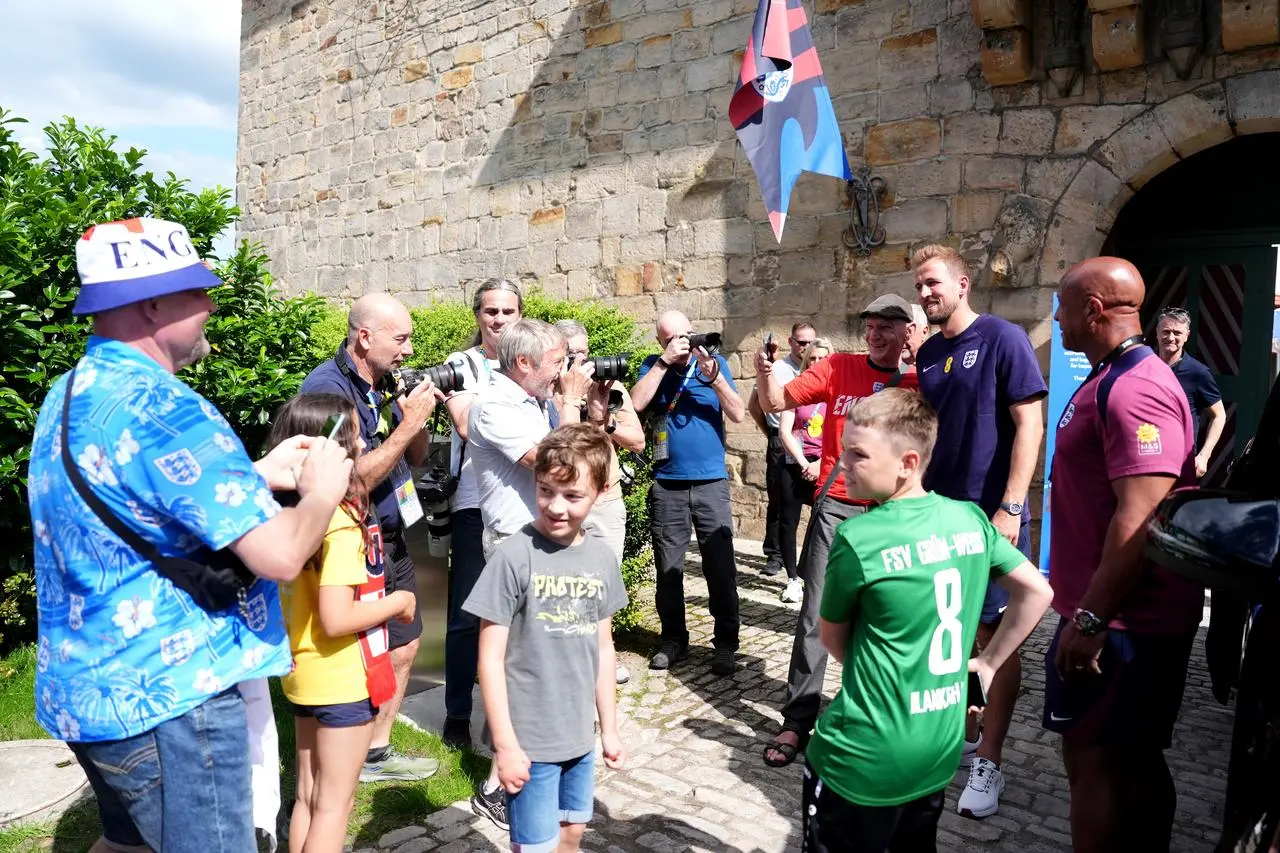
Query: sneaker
970	752
492	806
723	663
772	567
457	733
794	591
622	675
670	654
981	796
399	768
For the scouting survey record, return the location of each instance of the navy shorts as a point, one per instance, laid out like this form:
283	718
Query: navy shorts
1133	704
997	599
401	574
339	716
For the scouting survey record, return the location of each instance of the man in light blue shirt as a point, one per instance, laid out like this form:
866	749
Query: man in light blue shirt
137	678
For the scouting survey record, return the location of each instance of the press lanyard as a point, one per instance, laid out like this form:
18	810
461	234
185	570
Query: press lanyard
693	367
1121	348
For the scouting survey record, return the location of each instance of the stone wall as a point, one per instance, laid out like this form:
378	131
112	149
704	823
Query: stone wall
585	147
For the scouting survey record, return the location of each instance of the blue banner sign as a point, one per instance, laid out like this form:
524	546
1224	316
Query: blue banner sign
1067	372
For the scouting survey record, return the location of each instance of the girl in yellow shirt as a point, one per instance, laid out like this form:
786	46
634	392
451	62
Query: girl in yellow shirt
336	611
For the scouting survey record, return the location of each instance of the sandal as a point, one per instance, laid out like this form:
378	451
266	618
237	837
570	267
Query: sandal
786	750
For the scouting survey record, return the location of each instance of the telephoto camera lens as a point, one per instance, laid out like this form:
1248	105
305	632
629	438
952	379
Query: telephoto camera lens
710	341
446	377
611	367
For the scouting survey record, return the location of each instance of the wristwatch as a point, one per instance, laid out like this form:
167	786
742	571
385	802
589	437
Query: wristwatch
611	426
1087	622
1013	508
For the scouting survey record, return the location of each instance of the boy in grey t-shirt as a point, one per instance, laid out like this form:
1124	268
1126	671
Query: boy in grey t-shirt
545	599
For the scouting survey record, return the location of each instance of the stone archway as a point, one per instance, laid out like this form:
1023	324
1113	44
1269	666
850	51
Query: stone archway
1117	166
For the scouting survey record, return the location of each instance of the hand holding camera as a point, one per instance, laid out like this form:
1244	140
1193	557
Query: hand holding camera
420	402
576	381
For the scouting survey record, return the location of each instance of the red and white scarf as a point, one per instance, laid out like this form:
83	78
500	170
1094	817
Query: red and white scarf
375	649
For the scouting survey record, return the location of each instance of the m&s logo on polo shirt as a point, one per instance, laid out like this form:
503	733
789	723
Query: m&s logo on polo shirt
1148	440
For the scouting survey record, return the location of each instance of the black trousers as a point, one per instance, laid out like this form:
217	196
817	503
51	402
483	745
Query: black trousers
677	508
775	458
796	493
832	824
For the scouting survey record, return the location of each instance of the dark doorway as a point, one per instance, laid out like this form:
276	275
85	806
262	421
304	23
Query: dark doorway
1203	233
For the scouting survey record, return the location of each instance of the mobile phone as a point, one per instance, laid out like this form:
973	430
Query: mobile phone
770	348
977	695
333	425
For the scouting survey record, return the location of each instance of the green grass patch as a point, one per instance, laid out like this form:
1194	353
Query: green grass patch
380	807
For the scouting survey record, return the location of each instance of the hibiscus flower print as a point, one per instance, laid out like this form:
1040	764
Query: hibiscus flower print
97	466
225	443
85	377
42	532
266	502
126	447
207	682
230	493
68	727
133	616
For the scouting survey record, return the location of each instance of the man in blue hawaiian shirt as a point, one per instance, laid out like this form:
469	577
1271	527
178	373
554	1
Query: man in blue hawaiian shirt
139	680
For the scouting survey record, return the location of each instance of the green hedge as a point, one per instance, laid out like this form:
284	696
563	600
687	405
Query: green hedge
263	343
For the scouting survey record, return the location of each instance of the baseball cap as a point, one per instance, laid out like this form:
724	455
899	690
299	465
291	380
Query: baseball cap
891	306
135	259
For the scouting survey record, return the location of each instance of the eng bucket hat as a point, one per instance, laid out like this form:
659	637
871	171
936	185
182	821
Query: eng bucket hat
135	259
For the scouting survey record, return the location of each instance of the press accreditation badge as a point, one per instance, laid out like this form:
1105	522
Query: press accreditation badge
406	494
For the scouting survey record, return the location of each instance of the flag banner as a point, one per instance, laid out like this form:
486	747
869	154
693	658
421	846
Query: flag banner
782	109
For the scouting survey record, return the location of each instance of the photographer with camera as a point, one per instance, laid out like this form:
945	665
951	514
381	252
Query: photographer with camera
609	407
497	304
393	427
689	392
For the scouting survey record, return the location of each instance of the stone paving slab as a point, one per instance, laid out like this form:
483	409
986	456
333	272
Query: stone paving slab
695	780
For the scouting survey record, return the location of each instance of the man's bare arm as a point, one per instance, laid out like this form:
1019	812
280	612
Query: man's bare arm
1121	566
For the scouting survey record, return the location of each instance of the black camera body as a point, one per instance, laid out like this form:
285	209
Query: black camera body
446	377
437	485
709	341
608	368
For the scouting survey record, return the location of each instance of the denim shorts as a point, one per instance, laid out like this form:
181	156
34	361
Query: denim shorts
556	793
182	786
340	715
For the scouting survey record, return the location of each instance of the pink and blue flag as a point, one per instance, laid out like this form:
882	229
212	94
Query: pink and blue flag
782	109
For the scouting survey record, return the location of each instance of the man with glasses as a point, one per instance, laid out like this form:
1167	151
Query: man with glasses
1172	331
786	369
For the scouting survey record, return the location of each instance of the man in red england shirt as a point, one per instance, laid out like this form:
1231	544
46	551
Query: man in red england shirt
839	381
1118	664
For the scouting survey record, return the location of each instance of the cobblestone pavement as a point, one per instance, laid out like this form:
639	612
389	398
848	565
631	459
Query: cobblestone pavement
695	780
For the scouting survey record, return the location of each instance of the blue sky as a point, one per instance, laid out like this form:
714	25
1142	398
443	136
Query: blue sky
162	75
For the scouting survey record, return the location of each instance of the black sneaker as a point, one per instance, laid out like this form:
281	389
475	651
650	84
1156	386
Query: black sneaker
492	806
668	655
456	734
723	663
772	567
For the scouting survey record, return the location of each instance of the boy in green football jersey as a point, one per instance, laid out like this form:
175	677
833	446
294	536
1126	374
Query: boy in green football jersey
904	590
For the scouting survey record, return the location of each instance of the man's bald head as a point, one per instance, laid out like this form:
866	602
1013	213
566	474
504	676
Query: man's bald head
373	311
673	323
379	334
1099	304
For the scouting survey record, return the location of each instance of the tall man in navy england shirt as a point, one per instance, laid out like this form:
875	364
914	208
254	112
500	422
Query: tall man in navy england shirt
379	332
981	376
688	394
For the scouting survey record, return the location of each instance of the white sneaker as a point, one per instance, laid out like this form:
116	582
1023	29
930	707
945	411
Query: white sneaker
794	591
622	675
970	752
981	796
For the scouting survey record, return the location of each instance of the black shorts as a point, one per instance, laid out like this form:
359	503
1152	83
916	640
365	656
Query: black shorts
832	824
401	574
1133	704
339	716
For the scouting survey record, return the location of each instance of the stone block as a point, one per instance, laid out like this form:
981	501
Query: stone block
415	70
919	219
959	41
639	249
1108	5
604	35
907	59
827	6
1253	102
952	95
1117	39
1139	151
994	173
974	212
903	141
971	133
1001	14
1066	242
1049	177
906	102
1081	128
1027	131
934	177
1091	193
653	52
1006	56
578	255
458	78
468	54
852	68
890	259
1195	121
711	73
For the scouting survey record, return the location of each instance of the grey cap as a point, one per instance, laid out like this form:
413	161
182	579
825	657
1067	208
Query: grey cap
891	306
